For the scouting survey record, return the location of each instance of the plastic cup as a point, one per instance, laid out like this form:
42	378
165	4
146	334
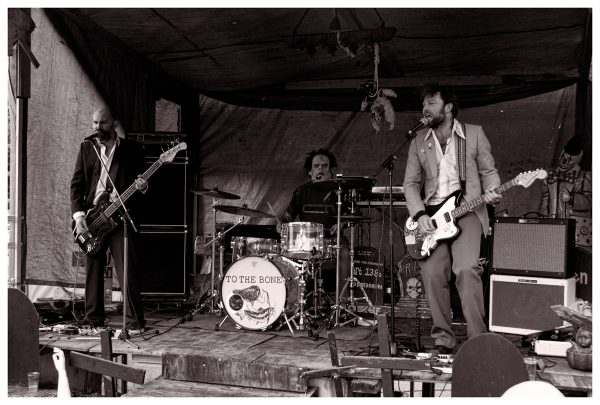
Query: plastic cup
33	381
531	366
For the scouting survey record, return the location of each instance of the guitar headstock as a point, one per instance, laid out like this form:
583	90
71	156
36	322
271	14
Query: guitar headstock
168	156
526	178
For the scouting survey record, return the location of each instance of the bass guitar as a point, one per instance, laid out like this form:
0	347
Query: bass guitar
99	217
420	245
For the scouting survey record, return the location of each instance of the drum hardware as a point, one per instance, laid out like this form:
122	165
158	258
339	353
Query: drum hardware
333	320
352	281
304	318
243	210
214	193
321	302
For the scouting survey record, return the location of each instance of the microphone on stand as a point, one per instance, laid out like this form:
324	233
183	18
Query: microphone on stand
423	122
92	137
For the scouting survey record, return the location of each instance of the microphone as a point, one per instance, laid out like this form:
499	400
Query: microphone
422	123
92	137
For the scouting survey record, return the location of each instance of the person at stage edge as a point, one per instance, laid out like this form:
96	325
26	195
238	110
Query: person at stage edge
312	203
432	174
124	160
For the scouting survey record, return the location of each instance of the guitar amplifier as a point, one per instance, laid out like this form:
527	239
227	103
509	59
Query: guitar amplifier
538	247
521	305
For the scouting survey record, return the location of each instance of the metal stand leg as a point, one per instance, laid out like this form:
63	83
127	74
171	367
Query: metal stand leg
352	281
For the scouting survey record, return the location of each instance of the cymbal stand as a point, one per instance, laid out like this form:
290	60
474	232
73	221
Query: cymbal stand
214	294
352	281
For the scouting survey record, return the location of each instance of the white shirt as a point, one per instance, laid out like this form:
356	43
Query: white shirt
448	173
103	182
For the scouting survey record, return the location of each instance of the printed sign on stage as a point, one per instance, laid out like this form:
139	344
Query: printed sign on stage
369	272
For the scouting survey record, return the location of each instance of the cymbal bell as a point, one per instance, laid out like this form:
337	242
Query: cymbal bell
215	192
243	210
346	183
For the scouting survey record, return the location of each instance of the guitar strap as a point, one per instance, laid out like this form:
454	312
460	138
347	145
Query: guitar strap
461	146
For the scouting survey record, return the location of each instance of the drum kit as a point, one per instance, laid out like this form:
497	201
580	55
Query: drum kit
266	285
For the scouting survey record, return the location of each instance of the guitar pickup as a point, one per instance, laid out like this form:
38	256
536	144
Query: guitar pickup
434	223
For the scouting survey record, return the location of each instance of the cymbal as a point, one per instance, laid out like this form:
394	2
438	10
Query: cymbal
347	183
215	192
243	210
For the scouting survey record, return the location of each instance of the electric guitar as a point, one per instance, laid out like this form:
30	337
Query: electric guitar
420	245
99	217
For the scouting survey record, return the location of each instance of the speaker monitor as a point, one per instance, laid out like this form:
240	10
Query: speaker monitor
162	273
537	247
521	305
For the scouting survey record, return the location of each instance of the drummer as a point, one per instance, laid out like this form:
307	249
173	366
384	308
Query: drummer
312	202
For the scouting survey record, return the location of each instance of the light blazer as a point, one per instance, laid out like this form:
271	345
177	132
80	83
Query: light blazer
421	176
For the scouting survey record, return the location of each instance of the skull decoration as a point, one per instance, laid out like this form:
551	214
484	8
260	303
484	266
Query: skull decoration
414	288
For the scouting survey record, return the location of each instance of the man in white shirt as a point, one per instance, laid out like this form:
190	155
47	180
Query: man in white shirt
433	172
101	155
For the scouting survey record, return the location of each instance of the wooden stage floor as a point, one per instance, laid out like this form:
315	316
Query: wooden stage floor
170	341
183	358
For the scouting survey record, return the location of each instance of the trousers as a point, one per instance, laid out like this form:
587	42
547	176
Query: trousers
461	256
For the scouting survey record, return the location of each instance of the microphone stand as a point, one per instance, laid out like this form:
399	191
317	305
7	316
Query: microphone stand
389	164
125	218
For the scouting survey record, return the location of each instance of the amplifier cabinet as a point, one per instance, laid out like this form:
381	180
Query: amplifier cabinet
521	305
536	247
162	255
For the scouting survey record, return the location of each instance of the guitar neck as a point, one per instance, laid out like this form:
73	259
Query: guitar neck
113	207
469	206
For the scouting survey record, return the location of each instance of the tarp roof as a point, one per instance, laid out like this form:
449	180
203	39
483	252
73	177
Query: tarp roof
288	58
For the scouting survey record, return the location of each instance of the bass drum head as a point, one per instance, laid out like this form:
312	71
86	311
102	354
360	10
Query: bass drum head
292	283
253	292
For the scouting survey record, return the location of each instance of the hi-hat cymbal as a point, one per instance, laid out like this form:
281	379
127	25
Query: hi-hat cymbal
215	192
346	183
243	210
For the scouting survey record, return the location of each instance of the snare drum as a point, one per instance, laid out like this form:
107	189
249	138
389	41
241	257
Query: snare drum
255	291
302	240
242	246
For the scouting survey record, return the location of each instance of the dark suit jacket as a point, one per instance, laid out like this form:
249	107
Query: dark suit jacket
128	162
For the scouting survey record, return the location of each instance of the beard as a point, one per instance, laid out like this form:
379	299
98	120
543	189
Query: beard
103	135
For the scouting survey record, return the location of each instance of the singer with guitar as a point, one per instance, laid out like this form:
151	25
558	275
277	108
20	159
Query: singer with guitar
443	158
100	155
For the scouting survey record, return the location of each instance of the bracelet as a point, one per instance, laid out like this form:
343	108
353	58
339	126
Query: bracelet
419	215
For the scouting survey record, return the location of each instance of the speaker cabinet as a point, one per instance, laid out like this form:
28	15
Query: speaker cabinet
163	220
537	247
521	305
162	268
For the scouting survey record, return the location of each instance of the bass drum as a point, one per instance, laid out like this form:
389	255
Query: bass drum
255	291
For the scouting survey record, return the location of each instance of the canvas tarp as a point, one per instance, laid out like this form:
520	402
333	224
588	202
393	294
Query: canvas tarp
253	152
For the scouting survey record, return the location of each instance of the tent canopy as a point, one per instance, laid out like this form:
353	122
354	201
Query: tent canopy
290	59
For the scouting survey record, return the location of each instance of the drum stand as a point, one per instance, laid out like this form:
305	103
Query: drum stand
352	281
333	318
304	317
318	293
214	294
